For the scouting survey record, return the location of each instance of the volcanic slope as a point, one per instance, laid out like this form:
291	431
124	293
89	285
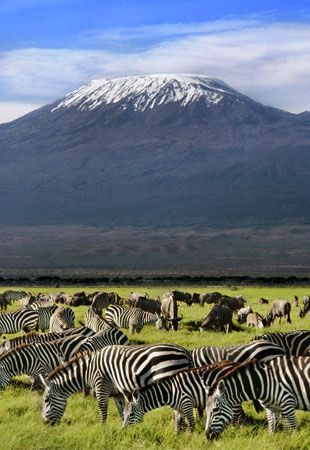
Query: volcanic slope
159	151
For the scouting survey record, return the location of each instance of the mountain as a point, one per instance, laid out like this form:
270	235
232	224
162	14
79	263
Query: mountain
158	152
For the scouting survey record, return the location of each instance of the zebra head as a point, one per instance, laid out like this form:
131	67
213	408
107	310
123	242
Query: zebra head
54	404
133	409
161	323
218	411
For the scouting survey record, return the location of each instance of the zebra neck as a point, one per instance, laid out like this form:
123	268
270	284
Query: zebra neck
21	361
71	378
157	394
245	385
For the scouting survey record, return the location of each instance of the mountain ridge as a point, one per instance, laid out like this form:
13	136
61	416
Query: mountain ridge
234	163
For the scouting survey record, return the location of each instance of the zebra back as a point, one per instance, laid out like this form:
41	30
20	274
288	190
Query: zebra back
27	339
113	336
260	350
294	343
22	319
11	296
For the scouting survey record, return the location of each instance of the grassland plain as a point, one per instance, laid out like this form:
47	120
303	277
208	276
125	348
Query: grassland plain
21	426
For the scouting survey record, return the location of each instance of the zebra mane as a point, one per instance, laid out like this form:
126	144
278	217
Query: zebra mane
17	348
234	369
199	370
78	356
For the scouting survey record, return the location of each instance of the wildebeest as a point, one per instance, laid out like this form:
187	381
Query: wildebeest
243	313
169	310
256	320
185	297
296	301
148	305
3	302
214	297
218	319
306	306
234	303
115	299
263	301
134	296
78	299
279	308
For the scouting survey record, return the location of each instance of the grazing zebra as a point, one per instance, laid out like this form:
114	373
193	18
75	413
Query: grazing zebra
261	350
182	391
22	319
27	339
61	320
132	318
110	371
11	296
295	343
281	385
95	322
33	360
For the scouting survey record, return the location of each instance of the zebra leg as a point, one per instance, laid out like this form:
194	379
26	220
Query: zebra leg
272	418
200	413
289	417
102	396
120	404
179	421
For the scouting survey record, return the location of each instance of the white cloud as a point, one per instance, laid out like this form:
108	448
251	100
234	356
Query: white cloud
11	110
269	62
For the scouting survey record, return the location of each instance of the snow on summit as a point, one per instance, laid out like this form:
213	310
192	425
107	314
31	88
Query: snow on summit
147	92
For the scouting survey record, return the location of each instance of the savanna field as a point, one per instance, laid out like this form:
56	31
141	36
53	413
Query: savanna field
21	426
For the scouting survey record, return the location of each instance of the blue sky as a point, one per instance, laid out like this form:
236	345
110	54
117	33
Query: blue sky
49	47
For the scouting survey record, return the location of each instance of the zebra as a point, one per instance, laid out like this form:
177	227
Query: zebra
62	319
10	296
27	339
295	343
33	359
41	303
281	385
132	318
22	319
45	314
110	371
96	322
49	355
182	391
261	350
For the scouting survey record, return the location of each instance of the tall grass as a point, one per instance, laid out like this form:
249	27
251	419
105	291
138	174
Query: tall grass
21	426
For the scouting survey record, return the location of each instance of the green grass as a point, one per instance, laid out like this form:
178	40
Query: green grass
21	426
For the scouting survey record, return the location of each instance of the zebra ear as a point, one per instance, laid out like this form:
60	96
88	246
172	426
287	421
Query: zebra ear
128	396
46	383
135	395
220	387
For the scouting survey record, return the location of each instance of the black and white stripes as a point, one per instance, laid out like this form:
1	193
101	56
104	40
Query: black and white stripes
281	385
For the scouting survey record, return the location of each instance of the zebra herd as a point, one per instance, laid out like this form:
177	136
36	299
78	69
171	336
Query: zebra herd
97	358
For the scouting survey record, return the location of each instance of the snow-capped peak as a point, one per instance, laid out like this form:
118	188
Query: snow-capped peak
147	92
